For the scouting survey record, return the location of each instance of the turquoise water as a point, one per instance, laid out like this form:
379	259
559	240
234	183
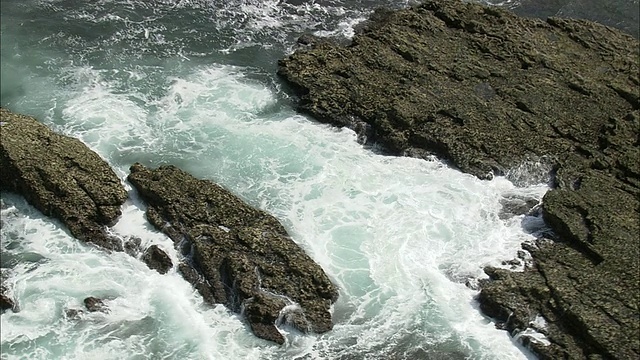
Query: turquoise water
192	83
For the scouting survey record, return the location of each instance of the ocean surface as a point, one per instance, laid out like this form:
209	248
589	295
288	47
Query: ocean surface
192	83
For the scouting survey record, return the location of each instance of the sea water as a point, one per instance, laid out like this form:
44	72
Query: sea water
193	84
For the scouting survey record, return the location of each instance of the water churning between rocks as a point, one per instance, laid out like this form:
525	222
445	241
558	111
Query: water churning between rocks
193	84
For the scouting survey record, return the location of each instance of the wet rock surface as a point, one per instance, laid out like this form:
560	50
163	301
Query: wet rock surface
6	302
61	177
131	245
94	304
488	91
157	259
517	205
238	256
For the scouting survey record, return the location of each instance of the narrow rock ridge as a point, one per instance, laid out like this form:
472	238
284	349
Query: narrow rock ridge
486	91
61	177
237	255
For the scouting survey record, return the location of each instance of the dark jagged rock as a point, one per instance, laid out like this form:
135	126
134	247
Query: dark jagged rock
6	302
242	257
94	304
488	91
157	259
61	177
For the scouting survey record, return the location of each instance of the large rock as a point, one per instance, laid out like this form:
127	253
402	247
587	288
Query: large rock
61	177
156	259
488	91
242	257
475	85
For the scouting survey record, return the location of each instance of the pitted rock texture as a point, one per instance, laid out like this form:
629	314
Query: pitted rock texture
61	177
488	91
240	256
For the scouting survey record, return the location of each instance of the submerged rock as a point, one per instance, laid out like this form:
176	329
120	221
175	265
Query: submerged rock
61	177
489	91
157	259
515	205
131	245
73	314
241	257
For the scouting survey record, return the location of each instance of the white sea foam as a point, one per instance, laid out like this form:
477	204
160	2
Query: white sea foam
149	314
398	235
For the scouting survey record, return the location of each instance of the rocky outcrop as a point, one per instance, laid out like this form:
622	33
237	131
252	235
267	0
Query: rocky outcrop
61	177
471	84
157	259
487	91
239	256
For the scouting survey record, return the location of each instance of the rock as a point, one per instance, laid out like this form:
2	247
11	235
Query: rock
94	304
241	257
198	281
131	245
157	259
498	94
73	314
6	302
470	84
516	205
513	262
260	314
619	14
61	177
